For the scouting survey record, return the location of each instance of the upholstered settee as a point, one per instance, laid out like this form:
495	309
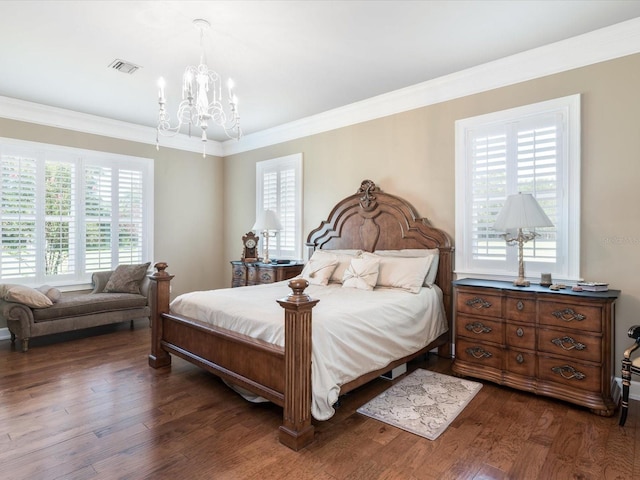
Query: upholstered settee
107	303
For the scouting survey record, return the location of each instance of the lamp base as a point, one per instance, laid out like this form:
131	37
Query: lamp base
521	282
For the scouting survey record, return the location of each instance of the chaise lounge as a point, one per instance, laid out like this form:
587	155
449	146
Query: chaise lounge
118	296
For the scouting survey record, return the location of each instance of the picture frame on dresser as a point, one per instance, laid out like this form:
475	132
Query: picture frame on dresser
554	343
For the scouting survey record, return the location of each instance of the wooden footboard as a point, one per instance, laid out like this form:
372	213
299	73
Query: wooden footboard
281	375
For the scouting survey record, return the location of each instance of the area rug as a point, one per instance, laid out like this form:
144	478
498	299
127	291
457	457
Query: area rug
424	402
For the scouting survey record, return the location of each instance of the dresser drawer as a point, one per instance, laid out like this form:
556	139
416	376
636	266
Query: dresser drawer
572	374
521	363
520	336
266	275
569	315
520	309
479	303
573	345
479	353
479	329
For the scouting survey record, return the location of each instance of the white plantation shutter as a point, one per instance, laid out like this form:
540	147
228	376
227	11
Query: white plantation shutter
533	149
98	218
279	188
19	194
68	212
130	216
60	222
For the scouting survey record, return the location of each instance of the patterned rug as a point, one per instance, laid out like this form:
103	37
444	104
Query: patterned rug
424	402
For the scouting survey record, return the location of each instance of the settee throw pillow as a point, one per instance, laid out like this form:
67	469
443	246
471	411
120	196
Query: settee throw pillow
126	278
26	295
50	292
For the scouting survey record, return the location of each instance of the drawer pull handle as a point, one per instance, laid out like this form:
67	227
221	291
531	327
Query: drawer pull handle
520	305
568	372
568	343
478	352
477	327
478	303
520	332
568	315
519	358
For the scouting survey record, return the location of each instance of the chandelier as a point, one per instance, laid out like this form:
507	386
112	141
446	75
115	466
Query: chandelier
201	100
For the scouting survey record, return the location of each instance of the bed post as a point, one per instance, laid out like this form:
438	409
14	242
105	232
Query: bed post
160	283
296	432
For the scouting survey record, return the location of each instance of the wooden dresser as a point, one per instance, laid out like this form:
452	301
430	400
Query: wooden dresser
256	273
554	343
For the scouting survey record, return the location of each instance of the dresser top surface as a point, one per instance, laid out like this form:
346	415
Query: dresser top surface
534	288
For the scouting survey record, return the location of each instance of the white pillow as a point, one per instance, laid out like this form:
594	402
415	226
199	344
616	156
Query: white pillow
407	273
430	278
319	268
361	273
343	258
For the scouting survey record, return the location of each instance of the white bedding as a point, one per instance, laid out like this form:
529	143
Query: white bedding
354	331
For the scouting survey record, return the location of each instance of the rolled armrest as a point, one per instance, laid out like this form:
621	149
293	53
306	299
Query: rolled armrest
99	280
19	318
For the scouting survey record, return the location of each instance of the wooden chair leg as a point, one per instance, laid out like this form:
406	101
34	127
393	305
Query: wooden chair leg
626	383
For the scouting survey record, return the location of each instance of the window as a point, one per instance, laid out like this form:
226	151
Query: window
67	212
279	188
533	149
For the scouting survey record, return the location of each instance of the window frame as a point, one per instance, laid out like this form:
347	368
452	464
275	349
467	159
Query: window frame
42	153
568	205
279	165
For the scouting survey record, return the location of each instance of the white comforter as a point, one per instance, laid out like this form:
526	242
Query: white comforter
354	331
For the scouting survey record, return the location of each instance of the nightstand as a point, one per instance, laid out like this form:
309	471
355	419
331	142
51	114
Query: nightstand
554	343
257	273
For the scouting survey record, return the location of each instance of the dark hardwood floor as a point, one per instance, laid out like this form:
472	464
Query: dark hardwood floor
87	406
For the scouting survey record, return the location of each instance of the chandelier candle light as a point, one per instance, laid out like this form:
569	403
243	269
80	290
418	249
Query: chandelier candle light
521	211
267	222
196	108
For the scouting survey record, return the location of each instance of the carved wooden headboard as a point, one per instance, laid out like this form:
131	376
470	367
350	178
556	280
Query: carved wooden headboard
372	220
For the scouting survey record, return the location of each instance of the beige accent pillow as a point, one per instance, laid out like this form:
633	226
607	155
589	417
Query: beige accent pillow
52	293
25	295
430	278
344	258
126	278
319	268
407	273
361	273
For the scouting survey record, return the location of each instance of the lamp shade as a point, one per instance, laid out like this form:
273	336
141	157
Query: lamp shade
266	221
521	211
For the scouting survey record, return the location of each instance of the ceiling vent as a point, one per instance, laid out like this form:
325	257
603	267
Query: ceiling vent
124	66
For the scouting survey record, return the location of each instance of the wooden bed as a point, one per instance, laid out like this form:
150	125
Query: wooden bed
368	220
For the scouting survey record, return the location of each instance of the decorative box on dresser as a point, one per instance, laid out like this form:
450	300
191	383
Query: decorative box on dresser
555	343
256	273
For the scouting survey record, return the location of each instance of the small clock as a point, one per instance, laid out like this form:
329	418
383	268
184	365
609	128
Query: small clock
250	247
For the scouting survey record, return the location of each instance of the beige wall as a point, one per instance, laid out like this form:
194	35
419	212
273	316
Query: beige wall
188	205
412	155
203	206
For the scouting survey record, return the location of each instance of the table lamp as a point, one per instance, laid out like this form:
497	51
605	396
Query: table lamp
521	211
266	223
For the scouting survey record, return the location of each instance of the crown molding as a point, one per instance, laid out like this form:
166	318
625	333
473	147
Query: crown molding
598	46
594	47
30	112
